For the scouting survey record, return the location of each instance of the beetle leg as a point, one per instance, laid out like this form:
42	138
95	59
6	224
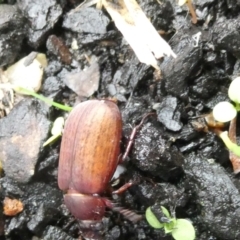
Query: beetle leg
132	136
123	188
128	214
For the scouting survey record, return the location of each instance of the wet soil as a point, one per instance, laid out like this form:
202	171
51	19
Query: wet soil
172	164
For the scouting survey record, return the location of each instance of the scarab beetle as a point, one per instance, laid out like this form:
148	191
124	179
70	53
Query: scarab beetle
89	156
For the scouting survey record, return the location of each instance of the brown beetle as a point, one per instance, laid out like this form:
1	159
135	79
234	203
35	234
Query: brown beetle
89	155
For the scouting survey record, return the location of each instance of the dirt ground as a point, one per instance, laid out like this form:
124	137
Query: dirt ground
172	164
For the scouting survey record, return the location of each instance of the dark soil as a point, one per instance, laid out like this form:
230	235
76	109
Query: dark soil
172	164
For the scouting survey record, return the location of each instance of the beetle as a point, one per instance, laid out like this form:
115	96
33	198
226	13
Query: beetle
89	156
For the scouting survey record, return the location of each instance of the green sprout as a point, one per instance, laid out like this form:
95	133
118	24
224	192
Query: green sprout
225	112
26	91
58	123
56	131
233	147
180	229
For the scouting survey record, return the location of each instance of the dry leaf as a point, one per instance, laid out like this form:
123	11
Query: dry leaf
191	9
136	29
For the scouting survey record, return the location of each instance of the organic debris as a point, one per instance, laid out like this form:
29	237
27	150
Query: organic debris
137	30
191	9
27	72
12	206
56	131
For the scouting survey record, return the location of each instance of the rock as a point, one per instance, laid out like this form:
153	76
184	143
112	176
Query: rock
87	20
23	132
10	187
194	144
226	34
206	86
42	15
236	70
11	33
53	68
203	3
52	232
48	168
168	114
217	199
176	72
233	4
215	99
17	224
84	39
128	76
52	87
115	232
41	206
41	218
188	133
161	15
153	154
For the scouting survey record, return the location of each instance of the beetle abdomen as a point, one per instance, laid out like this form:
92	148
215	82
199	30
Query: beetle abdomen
90	147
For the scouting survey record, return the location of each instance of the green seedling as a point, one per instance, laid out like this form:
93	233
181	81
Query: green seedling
180	229
56	131
229	144
25	91
226	111
58	123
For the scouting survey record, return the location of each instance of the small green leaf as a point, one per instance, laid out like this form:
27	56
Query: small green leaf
183	230
58	126
181	2
152	220
51	140
169	227
165	212
56	130
26	91
229	144
233	90
224	112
